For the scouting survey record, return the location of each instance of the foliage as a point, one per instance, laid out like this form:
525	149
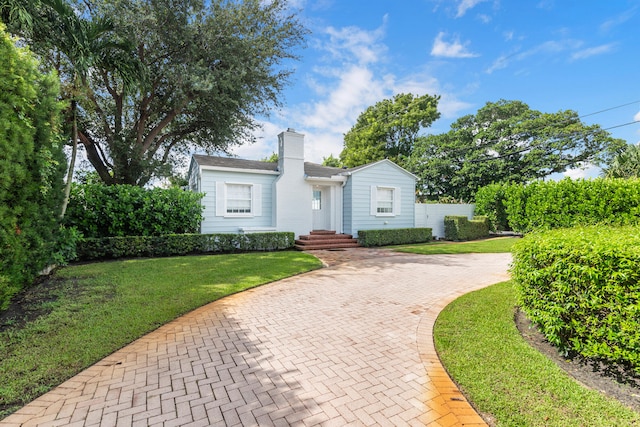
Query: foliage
210	69
89	311
181	244
459	227
490	202
331	161
507	379
125	210
389	129
273	158
567	203
581	286
397	236
31	167
505	141
625	165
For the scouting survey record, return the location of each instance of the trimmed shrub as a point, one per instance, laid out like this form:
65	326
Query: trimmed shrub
32	167
99	211
398	236
181	244
459	227
581	286
490	202
562	204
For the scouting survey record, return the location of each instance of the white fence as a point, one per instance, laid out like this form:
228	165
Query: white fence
432	215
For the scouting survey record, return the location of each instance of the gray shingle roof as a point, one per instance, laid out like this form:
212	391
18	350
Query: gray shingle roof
231	162
310	169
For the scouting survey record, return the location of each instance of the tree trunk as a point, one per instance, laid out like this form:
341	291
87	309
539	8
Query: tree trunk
72	162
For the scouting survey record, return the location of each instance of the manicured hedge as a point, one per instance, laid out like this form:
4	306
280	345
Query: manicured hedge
563	204
459	227
581	286
489	202
32	166
181	244
398	236
98	210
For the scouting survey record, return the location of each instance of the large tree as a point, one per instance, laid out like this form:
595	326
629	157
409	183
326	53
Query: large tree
211	67
506	141
389	129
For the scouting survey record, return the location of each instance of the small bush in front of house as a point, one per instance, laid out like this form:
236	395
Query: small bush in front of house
180	244
98	211
398	236
459	227
581	286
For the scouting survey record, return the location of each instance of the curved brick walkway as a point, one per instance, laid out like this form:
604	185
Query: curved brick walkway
345	345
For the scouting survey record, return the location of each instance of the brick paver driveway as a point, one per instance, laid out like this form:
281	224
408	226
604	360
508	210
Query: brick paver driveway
345	345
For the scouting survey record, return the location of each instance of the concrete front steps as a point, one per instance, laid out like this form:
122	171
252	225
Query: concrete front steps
325	239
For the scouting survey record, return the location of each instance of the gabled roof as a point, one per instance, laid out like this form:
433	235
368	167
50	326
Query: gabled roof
233	163
312	170
368	165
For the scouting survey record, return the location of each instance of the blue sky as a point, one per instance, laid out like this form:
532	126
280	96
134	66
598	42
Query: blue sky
551	54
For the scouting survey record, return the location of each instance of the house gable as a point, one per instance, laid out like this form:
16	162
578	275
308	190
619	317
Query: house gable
368	185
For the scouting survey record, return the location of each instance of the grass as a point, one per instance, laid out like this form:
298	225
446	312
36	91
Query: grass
494	245
502	375
94	309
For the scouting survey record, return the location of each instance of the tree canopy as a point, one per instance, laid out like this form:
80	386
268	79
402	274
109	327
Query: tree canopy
624	165
506	141
206	70
389	129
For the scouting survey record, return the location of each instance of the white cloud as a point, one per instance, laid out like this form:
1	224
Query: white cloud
465	5
455	49
588	171
636	118
592	51
618	20
353	43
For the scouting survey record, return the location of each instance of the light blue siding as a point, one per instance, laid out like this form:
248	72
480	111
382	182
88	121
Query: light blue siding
221	224
357	198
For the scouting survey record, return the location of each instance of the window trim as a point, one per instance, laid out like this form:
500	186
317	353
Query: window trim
222	200
395	201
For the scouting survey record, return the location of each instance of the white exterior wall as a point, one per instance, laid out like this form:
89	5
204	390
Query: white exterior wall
431	215
292	194
232	224
357	204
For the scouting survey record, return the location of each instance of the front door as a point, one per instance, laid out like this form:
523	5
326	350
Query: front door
320	208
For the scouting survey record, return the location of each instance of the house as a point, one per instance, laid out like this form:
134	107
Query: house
244	196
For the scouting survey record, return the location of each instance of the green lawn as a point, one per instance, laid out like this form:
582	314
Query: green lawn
94	309
503	375
494	245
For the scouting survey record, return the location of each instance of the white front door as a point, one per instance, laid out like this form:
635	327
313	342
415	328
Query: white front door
320	208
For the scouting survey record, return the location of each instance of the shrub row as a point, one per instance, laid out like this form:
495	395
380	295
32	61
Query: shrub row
98	211
581	286
561	204
398	236
459	227
181	244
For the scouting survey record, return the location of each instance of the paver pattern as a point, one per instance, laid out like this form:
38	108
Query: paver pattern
345	345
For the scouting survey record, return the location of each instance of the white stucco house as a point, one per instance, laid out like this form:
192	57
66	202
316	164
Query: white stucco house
243	196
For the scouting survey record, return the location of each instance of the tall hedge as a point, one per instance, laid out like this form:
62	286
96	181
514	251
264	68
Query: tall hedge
32	166
561	204
98	211
581	286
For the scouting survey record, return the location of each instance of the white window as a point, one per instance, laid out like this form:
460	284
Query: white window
316	202
238	199
385	201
